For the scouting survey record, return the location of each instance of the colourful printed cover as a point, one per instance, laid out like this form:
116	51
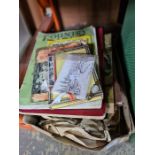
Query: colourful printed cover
42	56
75	74
44	76
96	94
45	40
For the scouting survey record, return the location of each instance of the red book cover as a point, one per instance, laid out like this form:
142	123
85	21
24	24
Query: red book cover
100	43
76	113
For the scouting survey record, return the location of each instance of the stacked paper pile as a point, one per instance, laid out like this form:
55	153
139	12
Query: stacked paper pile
71	86
61	79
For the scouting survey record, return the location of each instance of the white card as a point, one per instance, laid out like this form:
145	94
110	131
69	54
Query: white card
75	75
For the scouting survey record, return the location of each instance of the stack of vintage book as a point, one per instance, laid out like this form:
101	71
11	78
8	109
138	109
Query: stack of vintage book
64	79
70	90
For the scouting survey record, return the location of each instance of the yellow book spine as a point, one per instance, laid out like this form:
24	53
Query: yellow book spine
86	38
60	105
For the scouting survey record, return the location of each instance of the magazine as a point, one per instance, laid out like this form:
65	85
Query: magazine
75	75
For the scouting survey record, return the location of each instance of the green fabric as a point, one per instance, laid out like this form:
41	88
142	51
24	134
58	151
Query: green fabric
132	138
128	40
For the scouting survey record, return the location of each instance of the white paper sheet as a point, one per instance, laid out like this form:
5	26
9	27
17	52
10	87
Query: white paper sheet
75	75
